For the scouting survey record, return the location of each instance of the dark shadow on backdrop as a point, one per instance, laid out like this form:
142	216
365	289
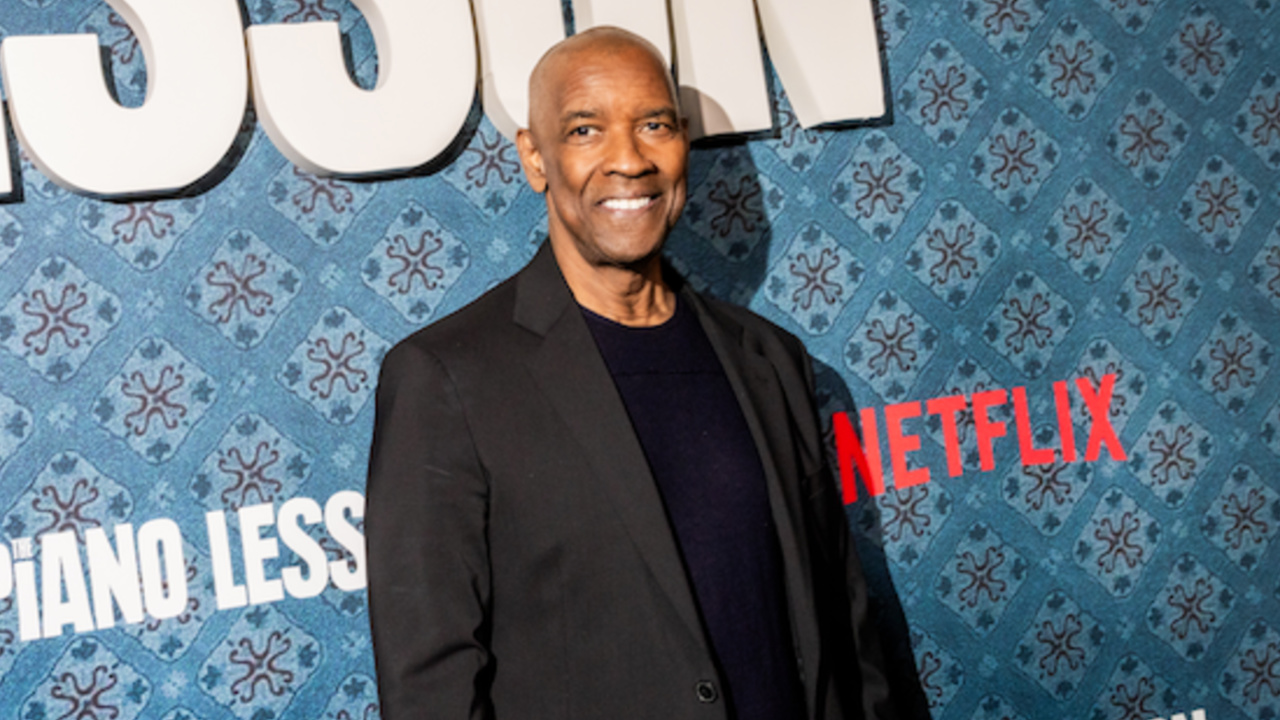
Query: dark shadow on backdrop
737	277
868	533
15	164
868	530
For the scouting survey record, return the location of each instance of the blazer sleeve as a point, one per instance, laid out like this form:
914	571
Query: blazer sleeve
836	536
428	560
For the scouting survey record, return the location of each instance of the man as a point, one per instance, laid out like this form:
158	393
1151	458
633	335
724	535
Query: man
593	493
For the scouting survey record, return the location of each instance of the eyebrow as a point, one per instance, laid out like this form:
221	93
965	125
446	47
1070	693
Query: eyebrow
578	115
590	114
665	111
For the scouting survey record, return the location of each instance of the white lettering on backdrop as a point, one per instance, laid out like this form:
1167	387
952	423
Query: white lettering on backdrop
326	124
84	584
825	53
74	132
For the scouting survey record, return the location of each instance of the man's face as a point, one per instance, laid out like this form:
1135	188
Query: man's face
609	148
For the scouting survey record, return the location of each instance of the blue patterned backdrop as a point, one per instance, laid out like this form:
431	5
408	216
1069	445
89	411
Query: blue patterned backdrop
1065	189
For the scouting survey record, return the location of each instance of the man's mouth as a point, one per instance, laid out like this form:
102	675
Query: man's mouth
628	204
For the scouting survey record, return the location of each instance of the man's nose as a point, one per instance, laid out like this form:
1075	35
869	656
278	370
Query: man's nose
625	155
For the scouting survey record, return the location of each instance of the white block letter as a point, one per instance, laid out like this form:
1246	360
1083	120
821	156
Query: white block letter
344	577
114	575
827	56
197	86
165	590
24	578
825	53
514	34
258	550
60	568
295	511
326	124
227	593
721	72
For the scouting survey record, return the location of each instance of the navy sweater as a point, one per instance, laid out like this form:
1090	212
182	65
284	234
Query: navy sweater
708	471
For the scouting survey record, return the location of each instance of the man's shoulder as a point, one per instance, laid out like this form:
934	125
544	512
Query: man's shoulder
483	323
755	327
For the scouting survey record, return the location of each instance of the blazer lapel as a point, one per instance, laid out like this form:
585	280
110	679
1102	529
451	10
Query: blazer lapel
759	393
571	374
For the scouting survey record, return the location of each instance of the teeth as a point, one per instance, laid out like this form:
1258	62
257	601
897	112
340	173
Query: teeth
627	203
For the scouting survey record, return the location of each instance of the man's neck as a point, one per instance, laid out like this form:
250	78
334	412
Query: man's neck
635	296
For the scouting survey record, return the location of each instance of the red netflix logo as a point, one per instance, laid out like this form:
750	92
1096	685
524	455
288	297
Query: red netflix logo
863	453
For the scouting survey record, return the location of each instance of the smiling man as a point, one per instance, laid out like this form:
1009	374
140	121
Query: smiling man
594	493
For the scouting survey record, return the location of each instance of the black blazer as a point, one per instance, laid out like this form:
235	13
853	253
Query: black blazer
520	562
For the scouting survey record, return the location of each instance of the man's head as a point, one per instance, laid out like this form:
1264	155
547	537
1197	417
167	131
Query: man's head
607	145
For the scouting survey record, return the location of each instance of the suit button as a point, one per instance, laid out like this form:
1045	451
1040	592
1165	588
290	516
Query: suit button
706	691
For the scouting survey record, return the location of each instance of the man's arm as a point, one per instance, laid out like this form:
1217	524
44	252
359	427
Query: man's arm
835	533
428	560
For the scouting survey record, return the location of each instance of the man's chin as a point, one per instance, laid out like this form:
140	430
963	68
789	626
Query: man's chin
632	258
625	252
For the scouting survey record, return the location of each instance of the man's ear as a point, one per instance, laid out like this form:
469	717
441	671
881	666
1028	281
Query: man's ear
531	160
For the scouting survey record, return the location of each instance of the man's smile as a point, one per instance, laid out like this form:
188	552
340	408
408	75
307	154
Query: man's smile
628	204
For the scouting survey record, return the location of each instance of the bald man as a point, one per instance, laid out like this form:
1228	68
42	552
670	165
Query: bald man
594	493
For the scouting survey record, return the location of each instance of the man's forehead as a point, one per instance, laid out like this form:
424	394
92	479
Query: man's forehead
577	93
563	80
602	40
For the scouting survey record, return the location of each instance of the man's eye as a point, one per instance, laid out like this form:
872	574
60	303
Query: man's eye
659	129
580	131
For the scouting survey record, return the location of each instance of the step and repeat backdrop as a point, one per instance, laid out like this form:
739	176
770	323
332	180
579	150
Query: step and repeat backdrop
1075	203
